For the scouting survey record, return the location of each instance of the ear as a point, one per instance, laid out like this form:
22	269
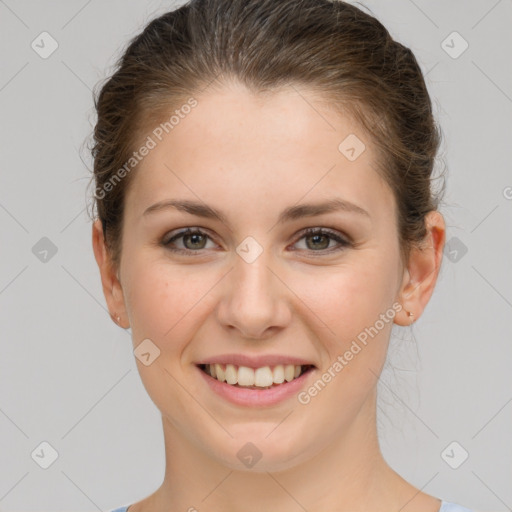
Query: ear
423	267
109	277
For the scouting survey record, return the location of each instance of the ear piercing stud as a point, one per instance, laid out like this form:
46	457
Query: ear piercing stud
411	315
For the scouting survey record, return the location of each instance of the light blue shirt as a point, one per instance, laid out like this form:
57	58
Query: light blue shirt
445	507
452	507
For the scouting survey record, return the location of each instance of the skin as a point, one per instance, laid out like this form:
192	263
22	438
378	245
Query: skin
259	156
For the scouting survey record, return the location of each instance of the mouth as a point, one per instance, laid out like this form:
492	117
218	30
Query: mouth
265	377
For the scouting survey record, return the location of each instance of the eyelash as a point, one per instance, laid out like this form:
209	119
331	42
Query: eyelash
344	243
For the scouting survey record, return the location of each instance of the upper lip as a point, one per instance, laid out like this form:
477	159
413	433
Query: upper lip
255	361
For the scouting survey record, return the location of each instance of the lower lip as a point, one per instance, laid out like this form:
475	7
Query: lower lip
256	397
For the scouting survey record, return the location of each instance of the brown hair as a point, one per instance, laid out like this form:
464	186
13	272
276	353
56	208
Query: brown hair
331	47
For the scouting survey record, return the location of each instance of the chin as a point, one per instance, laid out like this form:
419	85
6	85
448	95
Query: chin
260	453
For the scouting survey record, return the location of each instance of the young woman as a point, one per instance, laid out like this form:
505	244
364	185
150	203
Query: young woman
265	214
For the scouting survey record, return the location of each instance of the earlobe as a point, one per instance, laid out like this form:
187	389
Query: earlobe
422	271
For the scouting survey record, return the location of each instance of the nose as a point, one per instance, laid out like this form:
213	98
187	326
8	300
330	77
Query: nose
255	301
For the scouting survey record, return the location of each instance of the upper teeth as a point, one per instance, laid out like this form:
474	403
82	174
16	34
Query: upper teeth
261	377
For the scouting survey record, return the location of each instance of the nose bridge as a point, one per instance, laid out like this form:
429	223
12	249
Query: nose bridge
253	279
251	265
253	300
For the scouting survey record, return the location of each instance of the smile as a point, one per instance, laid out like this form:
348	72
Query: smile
258	386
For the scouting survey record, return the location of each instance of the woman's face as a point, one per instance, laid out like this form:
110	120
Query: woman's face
254	284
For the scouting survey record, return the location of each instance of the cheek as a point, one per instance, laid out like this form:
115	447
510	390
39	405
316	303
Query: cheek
166	301
348	298
350	302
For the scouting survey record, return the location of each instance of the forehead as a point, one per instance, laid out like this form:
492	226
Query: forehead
258	149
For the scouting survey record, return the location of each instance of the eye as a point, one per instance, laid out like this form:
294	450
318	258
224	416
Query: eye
195	240
321	238
192	238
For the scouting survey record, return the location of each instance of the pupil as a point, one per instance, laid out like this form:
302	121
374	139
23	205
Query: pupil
325	239
194	237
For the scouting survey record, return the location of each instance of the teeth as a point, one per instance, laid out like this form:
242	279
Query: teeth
245	376
278	374
289	371
220	373
231	374
263	377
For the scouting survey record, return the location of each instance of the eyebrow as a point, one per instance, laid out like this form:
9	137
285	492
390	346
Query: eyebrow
289	214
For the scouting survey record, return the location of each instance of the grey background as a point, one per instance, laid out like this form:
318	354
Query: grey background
67	372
